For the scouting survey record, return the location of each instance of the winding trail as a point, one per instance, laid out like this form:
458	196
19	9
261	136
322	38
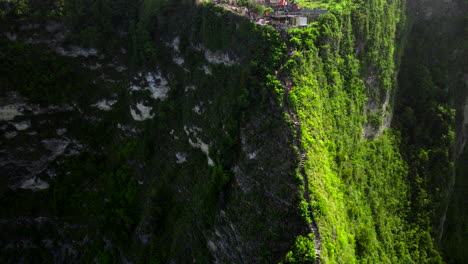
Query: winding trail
313	228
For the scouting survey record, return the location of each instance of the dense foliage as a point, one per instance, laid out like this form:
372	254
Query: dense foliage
361	195
99	188
429	114
370	202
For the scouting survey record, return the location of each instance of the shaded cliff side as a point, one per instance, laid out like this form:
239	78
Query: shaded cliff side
431	114
164	144
168	132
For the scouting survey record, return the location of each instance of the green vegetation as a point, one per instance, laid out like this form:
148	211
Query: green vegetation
429	114
371	200
254	7
361	188
45	79
456	233
302	252
175	204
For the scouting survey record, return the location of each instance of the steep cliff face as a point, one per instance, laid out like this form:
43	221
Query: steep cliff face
169	132
184	157
431	115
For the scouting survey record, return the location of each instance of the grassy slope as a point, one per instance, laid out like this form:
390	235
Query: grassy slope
359	187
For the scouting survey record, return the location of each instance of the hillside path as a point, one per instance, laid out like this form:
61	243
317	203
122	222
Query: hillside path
303	156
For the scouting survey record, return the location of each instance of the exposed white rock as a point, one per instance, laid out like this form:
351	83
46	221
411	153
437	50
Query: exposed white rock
245	183
34	184
178	60
61	131
59	108
225	242
207	70
75	149
23	125
176	43
76	51
95	66
192	129
172	134
135	88
104	78
212	246
105	105
181	157
158	85
9	112
51	173
248	149
11	134
197	109
218	57
190	87
56	146
144	112
205	148
10	36
126	128
252	155
372	81
120	68
369	131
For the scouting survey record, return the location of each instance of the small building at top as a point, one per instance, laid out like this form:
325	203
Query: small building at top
284	13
